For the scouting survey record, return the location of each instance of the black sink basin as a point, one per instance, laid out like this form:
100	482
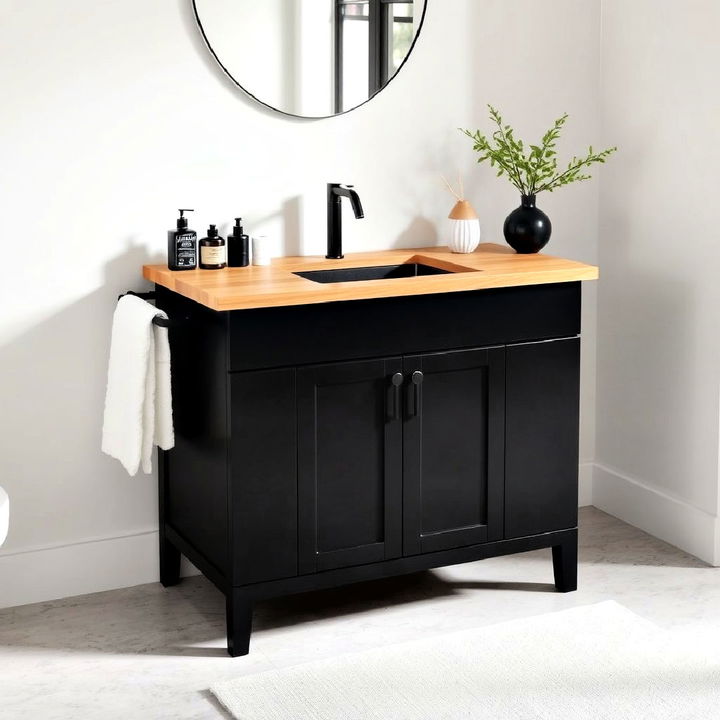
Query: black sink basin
379	272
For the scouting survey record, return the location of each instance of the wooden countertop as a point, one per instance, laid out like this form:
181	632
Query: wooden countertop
490	266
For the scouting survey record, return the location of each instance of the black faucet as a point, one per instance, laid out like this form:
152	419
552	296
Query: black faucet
335	193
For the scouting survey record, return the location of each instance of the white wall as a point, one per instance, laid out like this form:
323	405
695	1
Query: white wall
659	351
113	115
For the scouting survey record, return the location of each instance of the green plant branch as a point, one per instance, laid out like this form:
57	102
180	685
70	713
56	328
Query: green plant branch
499	121
536	171
483	146
574	167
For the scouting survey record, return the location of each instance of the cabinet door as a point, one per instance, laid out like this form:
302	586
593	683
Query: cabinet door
349	464
453	446
543	384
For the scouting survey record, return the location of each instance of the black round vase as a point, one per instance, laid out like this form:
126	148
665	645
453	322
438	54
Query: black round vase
527	228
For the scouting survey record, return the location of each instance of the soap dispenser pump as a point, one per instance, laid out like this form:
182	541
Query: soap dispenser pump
238	246
182	245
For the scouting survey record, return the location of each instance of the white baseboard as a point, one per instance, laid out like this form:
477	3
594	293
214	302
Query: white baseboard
585	484
657	513
59	571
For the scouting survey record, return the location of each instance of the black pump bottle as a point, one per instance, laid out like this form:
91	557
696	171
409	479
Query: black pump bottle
238	246
182	245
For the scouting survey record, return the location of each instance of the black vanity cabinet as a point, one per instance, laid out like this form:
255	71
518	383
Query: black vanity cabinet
320	445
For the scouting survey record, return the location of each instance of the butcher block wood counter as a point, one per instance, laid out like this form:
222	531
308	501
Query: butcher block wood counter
490	266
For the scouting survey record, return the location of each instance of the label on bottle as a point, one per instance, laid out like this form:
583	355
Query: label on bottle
185	250
212	255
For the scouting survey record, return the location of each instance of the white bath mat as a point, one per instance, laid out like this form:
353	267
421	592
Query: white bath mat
600	662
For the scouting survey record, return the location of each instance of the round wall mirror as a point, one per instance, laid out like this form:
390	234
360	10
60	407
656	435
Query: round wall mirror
310	58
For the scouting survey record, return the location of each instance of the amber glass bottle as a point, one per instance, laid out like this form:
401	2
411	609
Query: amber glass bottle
212	251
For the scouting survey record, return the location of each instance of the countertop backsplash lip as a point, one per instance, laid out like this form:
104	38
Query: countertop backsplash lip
276	285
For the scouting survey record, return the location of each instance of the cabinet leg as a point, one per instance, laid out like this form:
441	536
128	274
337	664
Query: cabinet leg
565	559
169	562
239	609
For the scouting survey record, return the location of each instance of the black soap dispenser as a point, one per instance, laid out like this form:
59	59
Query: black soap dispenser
238	246
182	245
212	251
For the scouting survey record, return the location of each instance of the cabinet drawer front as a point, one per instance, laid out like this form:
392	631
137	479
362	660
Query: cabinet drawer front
453	447
349	465
543	398
305	334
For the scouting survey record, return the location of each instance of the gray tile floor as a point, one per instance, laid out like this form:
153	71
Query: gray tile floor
147	652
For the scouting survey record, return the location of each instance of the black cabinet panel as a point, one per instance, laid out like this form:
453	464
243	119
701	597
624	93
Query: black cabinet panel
349	424
194	478
263	475
349	465
453	449
541	464
395	326
454	467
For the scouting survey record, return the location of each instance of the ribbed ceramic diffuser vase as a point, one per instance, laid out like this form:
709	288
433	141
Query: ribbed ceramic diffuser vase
464	228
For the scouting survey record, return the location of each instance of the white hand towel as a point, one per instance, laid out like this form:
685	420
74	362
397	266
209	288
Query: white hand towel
138	401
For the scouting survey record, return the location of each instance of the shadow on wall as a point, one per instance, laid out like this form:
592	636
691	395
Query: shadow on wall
283	228
52	400
292	226
451	158
426	202
421	232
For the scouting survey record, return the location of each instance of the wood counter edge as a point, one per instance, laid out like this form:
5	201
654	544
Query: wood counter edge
491	266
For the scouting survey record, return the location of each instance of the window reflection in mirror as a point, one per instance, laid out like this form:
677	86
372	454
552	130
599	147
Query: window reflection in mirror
352	54
400	33
373	38
310	58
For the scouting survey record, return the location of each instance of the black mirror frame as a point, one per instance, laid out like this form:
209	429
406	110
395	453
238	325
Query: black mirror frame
307	117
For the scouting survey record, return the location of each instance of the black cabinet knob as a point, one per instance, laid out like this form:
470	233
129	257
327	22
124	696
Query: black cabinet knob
393	403
413	396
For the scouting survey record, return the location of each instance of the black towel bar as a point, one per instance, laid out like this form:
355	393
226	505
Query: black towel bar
157	320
